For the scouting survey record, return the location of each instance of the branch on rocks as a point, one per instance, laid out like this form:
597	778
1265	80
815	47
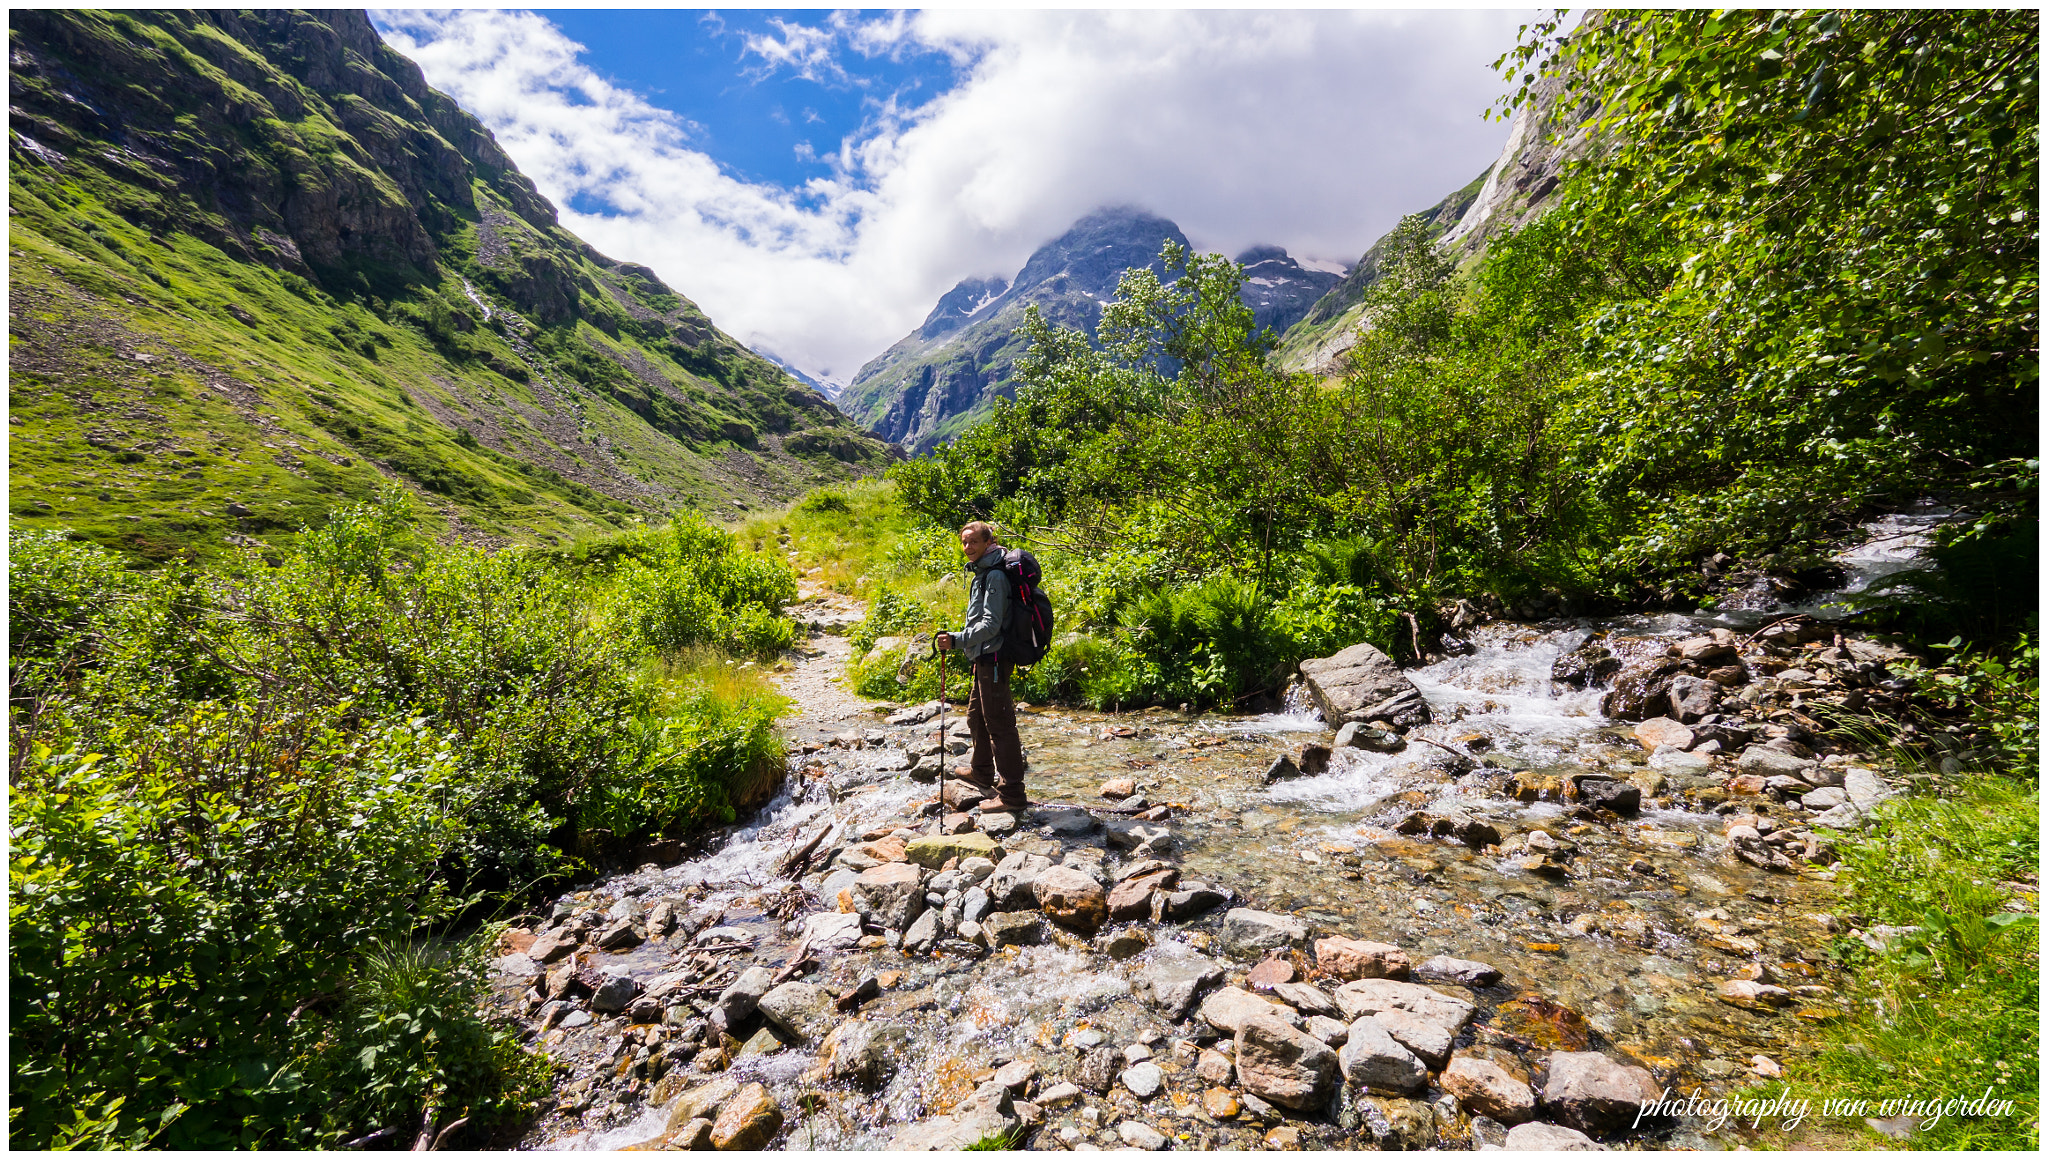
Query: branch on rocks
373	1137
441	1137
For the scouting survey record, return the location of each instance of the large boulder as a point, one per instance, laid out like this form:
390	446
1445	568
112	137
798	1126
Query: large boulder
1361	683
1590	1092
1071	898
1371	996
1429	1040
1373	1061
1249	932
1284	1066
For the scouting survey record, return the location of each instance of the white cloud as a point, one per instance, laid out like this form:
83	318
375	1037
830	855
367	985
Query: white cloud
1311	130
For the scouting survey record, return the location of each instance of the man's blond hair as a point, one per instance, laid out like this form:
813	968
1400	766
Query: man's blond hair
980	531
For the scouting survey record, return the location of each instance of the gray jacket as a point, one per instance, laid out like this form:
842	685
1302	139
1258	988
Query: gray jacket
988	607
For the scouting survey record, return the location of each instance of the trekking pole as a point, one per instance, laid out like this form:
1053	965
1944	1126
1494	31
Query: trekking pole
939	653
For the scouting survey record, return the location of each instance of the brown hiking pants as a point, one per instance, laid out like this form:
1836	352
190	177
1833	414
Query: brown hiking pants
992	718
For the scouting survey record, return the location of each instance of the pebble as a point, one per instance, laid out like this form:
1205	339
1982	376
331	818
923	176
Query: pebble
1144	1080
1141	1135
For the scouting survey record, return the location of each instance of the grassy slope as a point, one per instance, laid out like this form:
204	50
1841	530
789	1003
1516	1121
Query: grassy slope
158	378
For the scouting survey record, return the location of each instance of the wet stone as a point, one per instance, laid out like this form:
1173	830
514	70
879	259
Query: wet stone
1484	1088
1593	1093
1374	1061
1289	1067
1011	928
1269	972
1353	959
1306	998
1249	932
1535	1137
1368	996
1444	969
1227	1010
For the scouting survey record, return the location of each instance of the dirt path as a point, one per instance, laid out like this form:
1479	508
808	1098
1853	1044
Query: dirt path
822	705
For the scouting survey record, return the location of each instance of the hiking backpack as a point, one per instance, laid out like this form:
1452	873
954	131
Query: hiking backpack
1028	632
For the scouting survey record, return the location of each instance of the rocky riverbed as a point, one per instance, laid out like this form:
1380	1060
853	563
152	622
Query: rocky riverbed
1586	863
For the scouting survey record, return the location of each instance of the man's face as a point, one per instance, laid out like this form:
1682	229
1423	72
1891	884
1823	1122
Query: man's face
971	547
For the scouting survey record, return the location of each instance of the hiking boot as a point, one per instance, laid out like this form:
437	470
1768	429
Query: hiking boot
999	806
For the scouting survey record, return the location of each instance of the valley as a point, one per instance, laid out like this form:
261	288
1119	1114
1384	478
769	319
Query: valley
1587	650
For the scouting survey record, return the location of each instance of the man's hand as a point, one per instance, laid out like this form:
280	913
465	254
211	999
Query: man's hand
945	642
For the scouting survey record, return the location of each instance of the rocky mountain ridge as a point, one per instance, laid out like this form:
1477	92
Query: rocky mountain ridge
260	268
945	375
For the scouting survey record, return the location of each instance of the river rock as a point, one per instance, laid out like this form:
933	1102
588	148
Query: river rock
1132	898
1763	761
922	932
1289	1067
1214	1067
988	1114
1009	888
1227	1009
1593	1093
1535	1137
975	905
1465	972
1658	731
1071	897
1485	1088
1141	1135
1865	788
889	895
1692	698
1143	1080
741	997
1361	683
747	1121
1331	1031
1825	798
554	944
1373	1061
614	994
1753	995
1608	794
1269	973
863	1051
1248	932
1371	996
803	1010
1359	735
1430	1041
1306	998
1142	839
1175	984
1354	959
1011	928
935	850
702	1103
1099	1068
831	931
1192	899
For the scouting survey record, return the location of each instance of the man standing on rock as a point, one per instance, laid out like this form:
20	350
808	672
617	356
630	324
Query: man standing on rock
998	759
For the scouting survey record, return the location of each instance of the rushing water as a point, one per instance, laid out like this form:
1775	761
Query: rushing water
1623	954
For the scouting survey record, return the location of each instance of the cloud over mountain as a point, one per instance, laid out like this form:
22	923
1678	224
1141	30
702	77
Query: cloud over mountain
1310	130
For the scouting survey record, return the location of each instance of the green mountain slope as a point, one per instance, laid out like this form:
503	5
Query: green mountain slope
258	269
1329	327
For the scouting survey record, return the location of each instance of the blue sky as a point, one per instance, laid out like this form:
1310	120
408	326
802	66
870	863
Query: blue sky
764	120
815	181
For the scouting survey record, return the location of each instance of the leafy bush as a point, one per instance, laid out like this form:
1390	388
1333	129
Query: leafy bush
224	780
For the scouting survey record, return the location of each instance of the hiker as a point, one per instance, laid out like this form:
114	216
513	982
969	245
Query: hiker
998	762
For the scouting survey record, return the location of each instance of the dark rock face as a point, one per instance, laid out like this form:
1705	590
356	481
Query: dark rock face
1279	289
